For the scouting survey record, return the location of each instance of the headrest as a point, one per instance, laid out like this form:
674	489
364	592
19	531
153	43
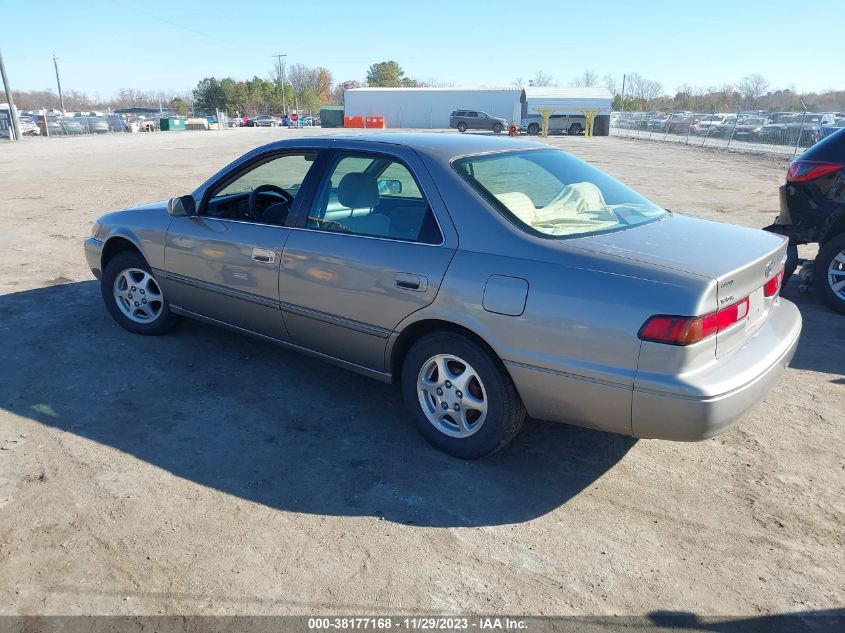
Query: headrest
358	191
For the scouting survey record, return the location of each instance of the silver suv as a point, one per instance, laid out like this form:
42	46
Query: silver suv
465	120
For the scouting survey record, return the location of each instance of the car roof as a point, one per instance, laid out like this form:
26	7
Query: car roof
441	146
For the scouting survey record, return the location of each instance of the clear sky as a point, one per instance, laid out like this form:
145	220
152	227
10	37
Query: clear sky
106	45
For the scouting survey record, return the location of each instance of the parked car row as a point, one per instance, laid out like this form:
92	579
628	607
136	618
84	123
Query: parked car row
272	120
43	125
784	128
59	125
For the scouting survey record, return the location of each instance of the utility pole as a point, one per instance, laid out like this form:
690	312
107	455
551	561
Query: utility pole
281	69
13	113
59	83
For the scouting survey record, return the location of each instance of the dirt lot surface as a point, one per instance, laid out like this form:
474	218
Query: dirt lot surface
207	473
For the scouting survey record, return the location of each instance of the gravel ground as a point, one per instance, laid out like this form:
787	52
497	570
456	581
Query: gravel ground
207	473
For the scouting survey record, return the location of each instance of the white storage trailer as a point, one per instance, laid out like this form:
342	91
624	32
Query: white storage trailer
430	107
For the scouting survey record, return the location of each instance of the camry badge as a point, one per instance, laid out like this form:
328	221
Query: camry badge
768	270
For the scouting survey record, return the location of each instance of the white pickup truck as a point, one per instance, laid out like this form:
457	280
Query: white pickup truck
558	123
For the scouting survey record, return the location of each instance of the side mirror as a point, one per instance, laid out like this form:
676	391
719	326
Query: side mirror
183	205
390	187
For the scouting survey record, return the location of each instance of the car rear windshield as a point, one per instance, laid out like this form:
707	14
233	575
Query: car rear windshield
551	193
830	149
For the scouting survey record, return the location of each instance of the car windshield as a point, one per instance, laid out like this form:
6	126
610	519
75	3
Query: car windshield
555	194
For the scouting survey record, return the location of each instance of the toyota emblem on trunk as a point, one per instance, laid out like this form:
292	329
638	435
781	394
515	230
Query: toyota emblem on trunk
768	270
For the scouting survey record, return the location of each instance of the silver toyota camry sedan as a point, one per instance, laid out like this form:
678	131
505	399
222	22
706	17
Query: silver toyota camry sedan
492	278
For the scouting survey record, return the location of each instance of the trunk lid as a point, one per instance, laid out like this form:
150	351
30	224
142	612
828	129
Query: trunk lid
739	259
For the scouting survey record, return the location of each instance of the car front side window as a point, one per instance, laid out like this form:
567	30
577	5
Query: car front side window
373	196
264	193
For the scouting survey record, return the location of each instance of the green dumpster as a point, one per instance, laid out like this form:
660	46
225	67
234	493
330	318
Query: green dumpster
172	125
331	116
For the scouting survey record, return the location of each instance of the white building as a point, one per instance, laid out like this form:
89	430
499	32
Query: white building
431	107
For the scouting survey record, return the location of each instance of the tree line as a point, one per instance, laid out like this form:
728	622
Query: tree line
305	88
752	92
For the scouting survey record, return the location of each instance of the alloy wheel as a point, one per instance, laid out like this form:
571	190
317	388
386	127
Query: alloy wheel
138	296
452	395
836	275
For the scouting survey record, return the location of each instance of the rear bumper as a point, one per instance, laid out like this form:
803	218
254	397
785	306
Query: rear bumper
700	407
93	255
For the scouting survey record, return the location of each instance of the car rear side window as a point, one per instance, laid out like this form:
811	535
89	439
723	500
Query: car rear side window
373	196
551	193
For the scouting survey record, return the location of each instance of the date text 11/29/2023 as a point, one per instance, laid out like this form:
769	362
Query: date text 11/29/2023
418	623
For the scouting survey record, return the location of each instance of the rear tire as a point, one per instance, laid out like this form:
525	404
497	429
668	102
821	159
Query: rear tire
574	129
462	127
128	283
533	129
466	425
829	272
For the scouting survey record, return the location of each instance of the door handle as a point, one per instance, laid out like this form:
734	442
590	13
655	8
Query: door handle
408	281
263	255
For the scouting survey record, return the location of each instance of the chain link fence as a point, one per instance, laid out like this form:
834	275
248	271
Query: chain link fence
57	125
783	133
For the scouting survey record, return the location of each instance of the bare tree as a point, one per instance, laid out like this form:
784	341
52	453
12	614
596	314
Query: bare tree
541	79
519	82
751	88
435	83
586	79
609	82
303	78
337	93
644	90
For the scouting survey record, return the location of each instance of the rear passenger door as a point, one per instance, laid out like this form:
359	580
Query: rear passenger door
372	249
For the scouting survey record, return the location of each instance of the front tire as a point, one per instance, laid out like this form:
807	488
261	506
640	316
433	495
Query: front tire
574	129
462	127
829	273
460	396
497	129
133	297
533	129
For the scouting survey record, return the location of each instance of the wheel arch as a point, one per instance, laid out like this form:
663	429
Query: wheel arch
413	332
836	227
118	244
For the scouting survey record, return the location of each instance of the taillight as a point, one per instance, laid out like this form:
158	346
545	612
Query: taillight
804	170
680	330
773	285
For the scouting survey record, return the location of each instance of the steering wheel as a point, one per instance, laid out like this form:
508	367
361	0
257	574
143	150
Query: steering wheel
252	208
